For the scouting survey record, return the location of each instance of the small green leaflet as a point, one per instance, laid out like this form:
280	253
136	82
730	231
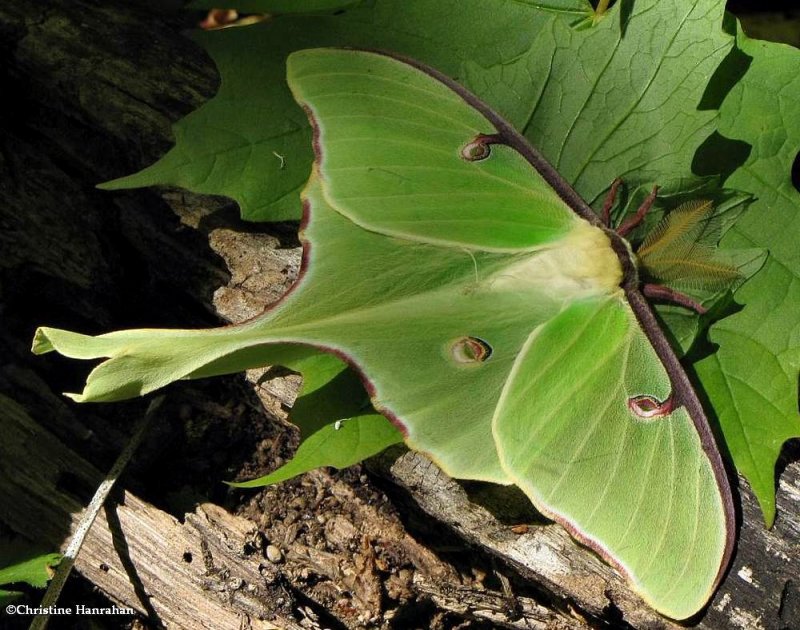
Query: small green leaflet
338	426
339	444
20	563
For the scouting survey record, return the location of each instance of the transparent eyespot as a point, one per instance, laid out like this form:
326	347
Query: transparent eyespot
470	350
476	150
649	407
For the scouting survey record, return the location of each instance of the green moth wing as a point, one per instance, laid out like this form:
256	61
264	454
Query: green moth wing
634	483
596	420
491	317
434	198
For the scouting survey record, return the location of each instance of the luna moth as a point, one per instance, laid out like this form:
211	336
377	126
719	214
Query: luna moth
492	316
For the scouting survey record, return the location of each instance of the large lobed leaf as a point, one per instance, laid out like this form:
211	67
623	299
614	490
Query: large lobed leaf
252	142
752	378
597	104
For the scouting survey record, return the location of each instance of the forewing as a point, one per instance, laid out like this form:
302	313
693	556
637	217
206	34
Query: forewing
405	315
643	492
411	317
396	150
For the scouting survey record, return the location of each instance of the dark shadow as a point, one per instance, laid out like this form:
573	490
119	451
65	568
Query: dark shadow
759	6
414	614
508	504
718	155
301	601
796	172
211	432
789	608
727	74
123	553
625	12
614	614
790	453
702	347
76	486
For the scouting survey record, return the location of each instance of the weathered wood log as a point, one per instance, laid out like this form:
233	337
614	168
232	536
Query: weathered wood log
760	590
95	89
201	573
212	570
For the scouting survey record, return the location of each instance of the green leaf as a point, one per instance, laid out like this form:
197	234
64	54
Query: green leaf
621	100
275	6
341	444
331	392
752	379
20	562
598	105
570	7
252	142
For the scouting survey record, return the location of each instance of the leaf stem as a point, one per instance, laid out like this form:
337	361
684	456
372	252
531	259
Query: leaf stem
602	7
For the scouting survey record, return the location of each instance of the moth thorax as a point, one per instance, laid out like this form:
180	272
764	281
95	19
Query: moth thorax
583	263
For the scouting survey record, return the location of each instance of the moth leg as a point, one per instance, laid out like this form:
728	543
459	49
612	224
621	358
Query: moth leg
660	292
635	220
611	197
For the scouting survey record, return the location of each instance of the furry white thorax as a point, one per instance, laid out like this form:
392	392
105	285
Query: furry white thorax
581	264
